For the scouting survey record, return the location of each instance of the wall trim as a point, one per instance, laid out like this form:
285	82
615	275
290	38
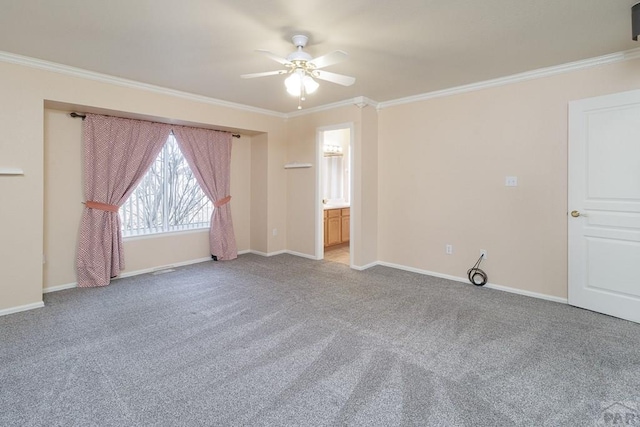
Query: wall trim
527	293
268	254
465	281
440	275
130	274
57	288
359	101
284	251
13	58
20	308
516	78
364	267
163	267
301	255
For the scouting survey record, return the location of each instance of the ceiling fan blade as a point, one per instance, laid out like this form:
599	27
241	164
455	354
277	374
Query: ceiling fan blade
329	59
266	73
334	78
275	57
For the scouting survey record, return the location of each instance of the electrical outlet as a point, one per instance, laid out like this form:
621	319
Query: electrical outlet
511	181
448	249
483	253
275	232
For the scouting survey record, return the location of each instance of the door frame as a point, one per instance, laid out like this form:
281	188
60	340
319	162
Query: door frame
319	208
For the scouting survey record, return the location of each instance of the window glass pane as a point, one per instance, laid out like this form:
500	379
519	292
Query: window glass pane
167	199
187	205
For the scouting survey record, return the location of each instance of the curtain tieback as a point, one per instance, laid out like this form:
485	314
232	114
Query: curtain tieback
222	202
102	206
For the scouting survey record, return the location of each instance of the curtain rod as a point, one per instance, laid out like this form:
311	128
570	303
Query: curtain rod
83	116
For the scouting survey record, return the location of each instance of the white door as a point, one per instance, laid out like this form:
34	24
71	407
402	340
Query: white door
604	204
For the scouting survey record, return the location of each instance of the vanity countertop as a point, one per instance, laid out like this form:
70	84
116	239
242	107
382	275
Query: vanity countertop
335	206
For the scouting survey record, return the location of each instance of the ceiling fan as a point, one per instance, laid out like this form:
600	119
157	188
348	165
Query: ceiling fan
302	69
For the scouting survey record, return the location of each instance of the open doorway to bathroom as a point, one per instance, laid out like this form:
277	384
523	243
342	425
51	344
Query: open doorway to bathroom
334	187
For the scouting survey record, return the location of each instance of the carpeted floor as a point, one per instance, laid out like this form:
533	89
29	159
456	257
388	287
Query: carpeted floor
286	341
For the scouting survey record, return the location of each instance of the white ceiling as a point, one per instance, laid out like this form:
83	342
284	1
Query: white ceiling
396	48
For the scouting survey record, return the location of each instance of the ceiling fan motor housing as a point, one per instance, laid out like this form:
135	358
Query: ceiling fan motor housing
299	56
299	41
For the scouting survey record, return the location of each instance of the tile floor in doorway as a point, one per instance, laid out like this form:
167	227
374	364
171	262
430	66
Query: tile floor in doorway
338	253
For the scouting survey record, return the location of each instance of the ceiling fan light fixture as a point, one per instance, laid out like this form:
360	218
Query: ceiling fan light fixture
293	83
302	69
299	81
310	85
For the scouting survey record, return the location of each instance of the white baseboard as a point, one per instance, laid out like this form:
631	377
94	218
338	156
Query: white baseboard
527	293
149	270
268	254
284	251
162	267
466	281
364	267
59	287
301	255
430	273
20	308
258	253
129	274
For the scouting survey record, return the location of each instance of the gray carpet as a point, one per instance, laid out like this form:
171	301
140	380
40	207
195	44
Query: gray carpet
286	341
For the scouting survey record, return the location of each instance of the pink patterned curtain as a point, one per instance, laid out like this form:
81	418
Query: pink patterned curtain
208	153
117	154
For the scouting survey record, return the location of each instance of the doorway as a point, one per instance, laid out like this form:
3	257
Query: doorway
604	204
334	190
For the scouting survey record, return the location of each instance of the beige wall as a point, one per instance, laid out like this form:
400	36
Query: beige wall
443	164
21	214
241	191
24	92
63	192
365	204
259	221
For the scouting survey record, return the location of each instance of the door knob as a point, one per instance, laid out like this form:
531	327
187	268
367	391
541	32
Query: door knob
576	214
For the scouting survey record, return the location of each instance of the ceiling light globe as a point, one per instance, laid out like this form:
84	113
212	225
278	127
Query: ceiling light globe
310	85
293	84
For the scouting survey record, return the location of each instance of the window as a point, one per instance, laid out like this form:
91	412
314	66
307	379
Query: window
167	199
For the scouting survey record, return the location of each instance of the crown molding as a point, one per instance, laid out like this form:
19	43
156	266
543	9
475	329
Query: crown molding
13	58
363	101
631	54
516	78
359	101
